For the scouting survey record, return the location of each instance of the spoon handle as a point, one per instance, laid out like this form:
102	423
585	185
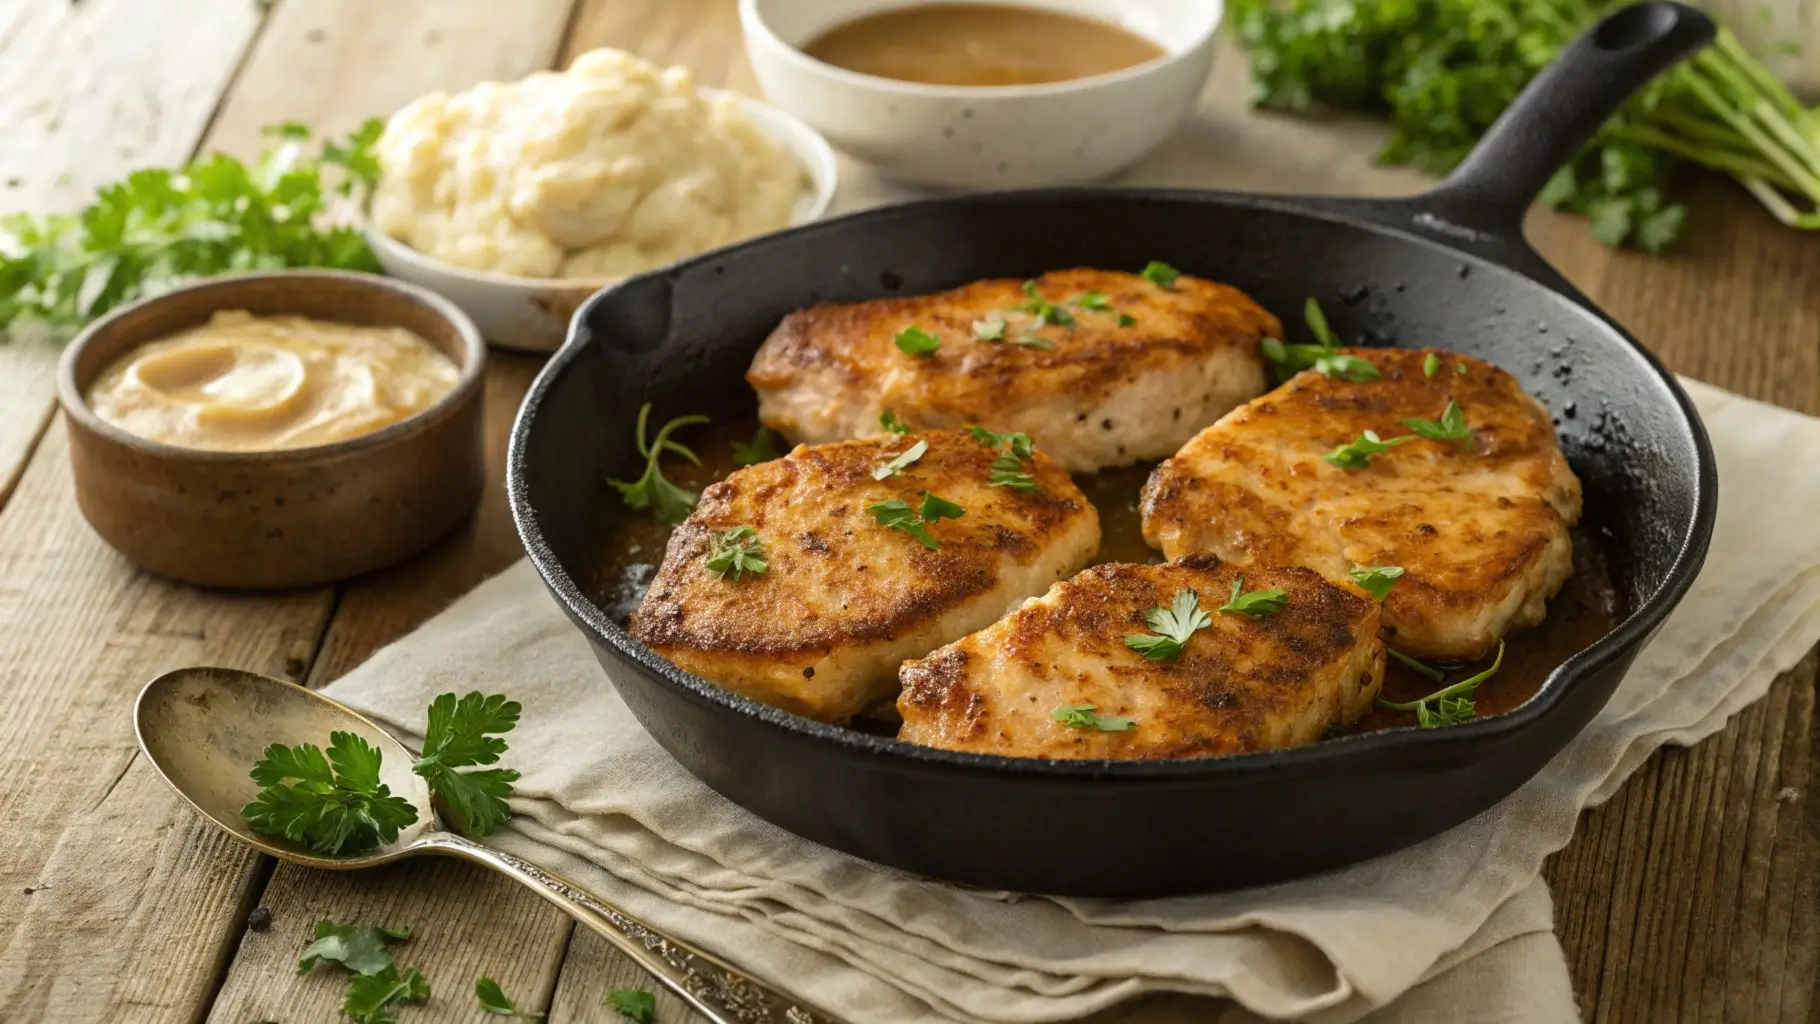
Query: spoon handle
721	992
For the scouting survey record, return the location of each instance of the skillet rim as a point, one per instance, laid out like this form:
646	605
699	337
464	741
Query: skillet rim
1402	741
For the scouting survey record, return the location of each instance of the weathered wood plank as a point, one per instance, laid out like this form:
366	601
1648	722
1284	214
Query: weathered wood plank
88	92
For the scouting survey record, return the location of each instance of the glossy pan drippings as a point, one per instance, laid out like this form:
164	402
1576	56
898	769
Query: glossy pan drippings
1446	269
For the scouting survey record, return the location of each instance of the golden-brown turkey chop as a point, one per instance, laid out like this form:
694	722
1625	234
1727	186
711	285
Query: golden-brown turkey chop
843	600
1022	686
1137	370
1479	525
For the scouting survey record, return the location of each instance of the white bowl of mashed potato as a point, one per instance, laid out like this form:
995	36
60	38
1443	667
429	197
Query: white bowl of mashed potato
519	200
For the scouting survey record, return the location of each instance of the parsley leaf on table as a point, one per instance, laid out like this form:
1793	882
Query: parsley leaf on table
633	1003
371	996
336	806
361	948
897	514
668	502
463	733
737	551
1357	454
900	461
493	1000
762	448
1083	716
161	227
1257	603
1451	427
1175	623
1376	579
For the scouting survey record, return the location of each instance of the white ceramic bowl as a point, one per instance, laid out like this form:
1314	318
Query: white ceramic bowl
532	314
995	136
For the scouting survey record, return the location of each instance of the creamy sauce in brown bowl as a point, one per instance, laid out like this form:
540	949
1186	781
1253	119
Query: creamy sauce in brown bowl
277	516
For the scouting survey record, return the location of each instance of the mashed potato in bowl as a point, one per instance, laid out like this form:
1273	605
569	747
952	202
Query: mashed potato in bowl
612	167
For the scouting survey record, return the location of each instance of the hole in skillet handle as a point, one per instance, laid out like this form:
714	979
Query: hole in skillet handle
1562	107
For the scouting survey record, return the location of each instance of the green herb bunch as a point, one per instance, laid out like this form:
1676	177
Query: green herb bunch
1443	70
162	227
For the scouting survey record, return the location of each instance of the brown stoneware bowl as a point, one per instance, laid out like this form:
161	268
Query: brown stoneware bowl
285	518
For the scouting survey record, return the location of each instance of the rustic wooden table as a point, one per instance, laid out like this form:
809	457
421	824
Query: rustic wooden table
1690	896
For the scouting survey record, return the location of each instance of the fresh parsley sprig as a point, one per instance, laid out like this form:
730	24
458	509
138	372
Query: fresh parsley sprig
634	1004
334	805
464	733
493	999
361	948
161	227
1085	716
1323	357
1450	427
371	996
1008	469
762	448
897	514
1257	603
735	552
1449	705
667	502
1357	454
900	462
1174	625
1376	579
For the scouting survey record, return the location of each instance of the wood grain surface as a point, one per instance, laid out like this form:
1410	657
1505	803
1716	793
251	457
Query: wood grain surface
1691	896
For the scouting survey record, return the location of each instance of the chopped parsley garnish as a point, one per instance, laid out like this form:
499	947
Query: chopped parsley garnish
1430	364
1175	624
1323	358
1460	368
633	1003
464	733
1126	320
1033	341
737	551
889	421
1257	603
1082	716
1449	705
1416	666
1376	579
762	448
1008	469
915	341
1160	274
1020	443
901	461
898	515
493	1000
667	502
1451	426
1096	301
1357	455
991	328
336	804
1046	312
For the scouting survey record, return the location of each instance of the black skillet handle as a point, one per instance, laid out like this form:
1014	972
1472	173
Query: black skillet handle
1562	108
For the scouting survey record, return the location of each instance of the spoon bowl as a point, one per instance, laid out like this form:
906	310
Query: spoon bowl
202	729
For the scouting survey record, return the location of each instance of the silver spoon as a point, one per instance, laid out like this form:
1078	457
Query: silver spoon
203	728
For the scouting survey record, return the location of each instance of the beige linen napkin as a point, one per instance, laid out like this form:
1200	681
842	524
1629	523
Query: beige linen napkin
1463	919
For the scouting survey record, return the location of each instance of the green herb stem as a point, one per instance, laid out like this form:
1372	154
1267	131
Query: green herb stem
1423	667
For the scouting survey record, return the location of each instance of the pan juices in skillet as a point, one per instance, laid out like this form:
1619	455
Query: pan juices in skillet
1435	464
804	582
1102	368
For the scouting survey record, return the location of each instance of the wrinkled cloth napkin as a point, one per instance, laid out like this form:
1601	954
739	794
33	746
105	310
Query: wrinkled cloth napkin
1463	919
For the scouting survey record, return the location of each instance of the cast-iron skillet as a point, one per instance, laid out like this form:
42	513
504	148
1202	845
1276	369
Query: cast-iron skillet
1448	269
